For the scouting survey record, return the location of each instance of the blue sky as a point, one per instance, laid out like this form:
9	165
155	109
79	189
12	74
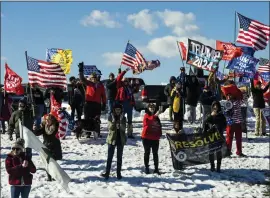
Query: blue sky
97	32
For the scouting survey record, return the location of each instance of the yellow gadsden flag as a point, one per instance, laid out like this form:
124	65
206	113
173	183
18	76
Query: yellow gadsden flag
63	57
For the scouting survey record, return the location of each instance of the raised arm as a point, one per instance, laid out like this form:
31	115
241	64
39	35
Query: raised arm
82	78
266	87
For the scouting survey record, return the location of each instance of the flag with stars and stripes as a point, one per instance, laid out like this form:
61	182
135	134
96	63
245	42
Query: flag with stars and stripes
253	33
264	65
45	74
133	58
89	69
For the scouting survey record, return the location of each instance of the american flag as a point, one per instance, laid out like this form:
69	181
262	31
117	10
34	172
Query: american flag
133	58
253	33
89	69
45	74
264	65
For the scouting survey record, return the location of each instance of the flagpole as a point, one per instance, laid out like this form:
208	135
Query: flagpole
234	38
31	94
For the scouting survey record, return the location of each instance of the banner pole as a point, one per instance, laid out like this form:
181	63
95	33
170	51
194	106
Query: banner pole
235	27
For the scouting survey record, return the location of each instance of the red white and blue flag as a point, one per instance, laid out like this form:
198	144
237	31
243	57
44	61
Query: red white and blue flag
253	33
45	74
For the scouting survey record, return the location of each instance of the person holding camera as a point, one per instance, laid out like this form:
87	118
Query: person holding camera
95	96
215	119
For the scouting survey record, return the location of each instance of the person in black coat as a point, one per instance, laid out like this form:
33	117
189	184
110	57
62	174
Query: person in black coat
217	119
167	91
206	99
48	129
75	97
193	94
111	92
258	106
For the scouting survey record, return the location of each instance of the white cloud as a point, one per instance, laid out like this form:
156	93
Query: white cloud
143	20
167	47
3	58
181	23
99	18
112	58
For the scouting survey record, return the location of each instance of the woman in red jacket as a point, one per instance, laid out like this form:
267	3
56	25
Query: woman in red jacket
152	131
19	169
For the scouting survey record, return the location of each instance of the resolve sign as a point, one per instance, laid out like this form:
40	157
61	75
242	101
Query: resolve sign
203	56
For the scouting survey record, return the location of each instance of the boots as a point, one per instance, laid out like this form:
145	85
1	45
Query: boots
156	171
147	170
130	131
119	176
106	175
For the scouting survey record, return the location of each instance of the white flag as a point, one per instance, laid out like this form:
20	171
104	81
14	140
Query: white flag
50	165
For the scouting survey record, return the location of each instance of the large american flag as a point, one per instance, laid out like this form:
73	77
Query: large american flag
45	74
253	33
132	57
264	65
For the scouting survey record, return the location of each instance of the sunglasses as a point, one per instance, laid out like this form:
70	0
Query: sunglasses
17	149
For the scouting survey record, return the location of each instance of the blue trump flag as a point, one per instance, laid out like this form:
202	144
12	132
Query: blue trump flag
244	64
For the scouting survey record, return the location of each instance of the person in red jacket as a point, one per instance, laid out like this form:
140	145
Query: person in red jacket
19	170
95	96
125	97
151	133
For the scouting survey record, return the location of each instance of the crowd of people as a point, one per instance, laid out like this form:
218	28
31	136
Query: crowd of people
89	97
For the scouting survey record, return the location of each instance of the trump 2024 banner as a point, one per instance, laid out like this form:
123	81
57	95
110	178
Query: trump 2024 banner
203	56
194	149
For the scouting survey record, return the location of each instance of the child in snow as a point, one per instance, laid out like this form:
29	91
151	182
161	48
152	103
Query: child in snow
234	125
151	134
218	119
49	129
177	104
116	138
19	170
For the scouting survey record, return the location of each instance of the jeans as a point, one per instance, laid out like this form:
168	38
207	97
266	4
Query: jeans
191	113
148	145
110	106
111	149
128	109
206	110
39	115
16	191
230	131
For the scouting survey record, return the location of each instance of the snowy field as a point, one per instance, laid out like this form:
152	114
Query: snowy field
83	162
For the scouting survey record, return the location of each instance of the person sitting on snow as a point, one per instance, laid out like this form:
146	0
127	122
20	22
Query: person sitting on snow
116	138
151	133
217	118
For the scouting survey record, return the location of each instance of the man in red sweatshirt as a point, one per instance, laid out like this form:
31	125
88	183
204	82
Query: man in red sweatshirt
95	97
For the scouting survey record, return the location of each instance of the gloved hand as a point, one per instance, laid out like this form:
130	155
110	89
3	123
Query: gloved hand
10	138
103	107
80	65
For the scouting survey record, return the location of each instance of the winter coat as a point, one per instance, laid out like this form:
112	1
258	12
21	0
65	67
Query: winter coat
19	175
258	98
112	126
26	116
75	94
38	96
50	140
207	98
219	120
193	92
177	101
152	129
111	89
6	108
95	92
124	93
168	90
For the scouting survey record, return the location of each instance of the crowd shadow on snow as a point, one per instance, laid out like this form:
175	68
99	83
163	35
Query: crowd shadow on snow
265	139
84	165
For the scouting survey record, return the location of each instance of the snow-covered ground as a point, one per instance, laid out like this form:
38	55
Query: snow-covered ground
83	162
